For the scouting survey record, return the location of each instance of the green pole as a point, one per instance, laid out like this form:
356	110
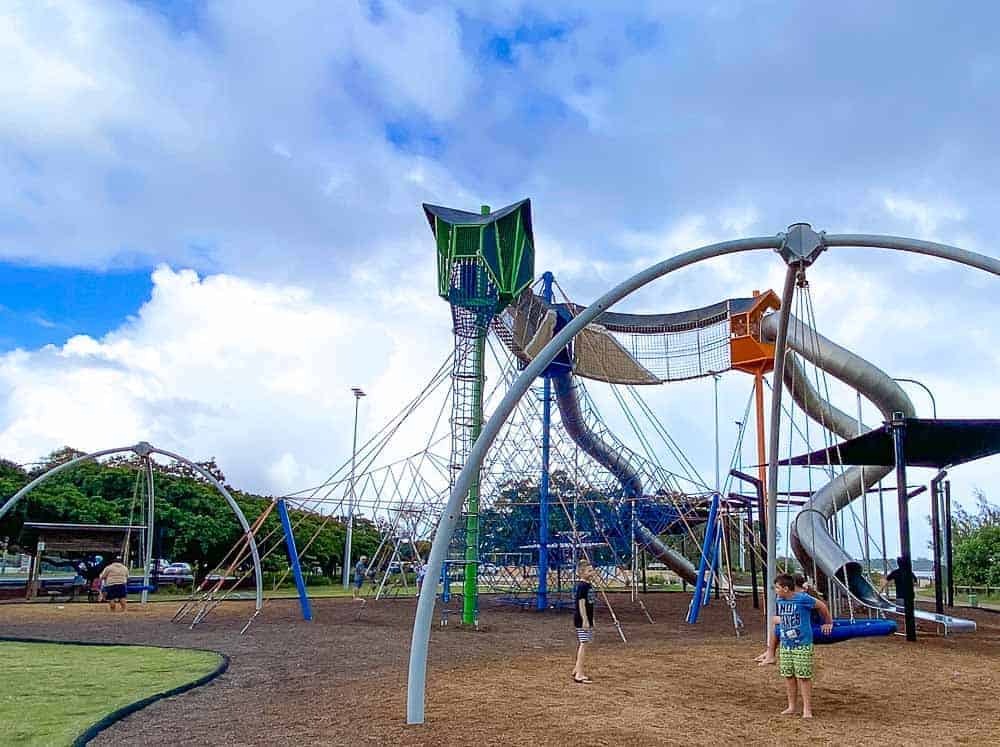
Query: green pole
470	601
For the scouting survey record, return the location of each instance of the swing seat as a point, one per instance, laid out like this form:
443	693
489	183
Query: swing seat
139	588
845	630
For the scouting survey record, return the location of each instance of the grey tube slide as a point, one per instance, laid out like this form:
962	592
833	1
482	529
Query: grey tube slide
618	460
811	540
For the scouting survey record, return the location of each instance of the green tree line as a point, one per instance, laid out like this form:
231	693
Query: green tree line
195	523
976	543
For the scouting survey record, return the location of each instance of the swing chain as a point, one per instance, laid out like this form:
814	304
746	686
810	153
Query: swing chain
800	277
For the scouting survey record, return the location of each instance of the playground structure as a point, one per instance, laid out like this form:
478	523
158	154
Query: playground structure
814	543
512	506
559	484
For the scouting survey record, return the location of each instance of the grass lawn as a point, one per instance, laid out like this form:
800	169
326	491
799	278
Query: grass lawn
961	597
53	692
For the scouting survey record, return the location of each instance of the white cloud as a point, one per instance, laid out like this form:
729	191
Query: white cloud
925	216
257	375
125	139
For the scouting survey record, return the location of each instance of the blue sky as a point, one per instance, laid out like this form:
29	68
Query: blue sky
47	305
280	152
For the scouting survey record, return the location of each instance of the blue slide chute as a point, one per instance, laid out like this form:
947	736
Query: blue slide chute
844	630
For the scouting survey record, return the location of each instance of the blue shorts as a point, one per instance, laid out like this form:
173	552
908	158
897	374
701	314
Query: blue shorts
115	591
359	581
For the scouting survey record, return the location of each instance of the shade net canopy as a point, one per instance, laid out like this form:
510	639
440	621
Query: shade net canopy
927	443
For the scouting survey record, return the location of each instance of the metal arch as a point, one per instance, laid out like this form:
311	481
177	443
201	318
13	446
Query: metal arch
144	449
416	681
54	471
449	517
915	246
239	517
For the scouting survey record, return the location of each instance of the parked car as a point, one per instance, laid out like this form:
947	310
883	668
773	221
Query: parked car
177	569
160	565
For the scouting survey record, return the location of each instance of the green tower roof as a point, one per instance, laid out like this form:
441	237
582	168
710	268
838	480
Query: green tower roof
484	259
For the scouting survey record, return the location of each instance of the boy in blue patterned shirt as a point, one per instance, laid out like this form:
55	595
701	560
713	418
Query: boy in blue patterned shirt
795	650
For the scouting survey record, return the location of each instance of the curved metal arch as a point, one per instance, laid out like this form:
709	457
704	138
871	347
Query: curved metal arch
144	449
420	640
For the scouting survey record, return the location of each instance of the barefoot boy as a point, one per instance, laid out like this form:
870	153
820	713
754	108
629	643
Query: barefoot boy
795	653
583	618
770	655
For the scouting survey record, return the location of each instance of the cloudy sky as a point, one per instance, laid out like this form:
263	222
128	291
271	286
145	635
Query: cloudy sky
210	223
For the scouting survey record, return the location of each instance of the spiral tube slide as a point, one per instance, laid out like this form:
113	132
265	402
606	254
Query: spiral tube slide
618	460
810	537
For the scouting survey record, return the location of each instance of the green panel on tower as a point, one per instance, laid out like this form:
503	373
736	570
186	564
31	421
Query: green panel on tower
495	247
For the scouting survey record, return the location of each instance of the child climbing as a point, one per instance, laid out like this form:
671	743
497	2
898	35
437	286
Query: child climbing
583	618
795	652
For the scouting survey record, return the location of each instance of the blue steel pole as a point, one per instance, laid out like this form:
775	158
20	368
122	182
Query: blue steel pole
706	548
293	556
542	601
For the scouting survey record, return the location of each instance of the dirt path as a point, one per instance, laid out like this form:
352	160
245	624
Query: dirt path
339	680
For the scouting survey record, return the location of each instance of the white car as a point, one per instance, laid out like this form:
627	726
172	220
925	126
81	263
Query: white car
160	565
177	569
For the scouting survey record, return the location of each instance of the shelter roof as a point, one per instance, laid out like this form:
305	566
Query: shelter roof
81	537
928	443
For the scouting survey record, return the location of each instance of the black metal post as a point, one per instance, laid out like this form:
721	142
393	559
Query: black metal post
643	556
753	556
759	487
898	426
936	545
947	543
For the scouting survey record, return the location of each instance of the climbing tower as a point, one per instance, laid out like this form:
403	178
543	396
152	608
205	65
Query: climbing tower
484	260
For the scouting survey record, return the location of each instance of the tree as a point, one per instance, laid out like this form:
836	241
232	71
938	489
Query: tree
964	524
976	539
194	523
977	558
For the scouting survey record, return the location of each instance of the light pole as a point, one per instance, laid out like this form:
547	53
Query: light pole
358	394
926	389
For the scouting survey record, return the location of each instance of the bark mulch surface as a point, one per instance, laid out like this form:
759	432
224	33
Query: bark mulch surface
341	681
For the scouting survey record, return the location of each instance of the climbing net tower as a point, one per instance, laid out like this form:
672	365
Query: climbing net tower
484	261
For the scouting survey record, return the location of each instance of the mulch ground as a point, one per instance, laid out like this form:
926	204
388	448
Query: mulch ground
342	681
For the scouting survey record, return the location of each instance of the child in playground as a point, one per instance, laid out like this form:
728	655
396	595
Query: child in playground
421	572
360	568
770	655
583	618
795	653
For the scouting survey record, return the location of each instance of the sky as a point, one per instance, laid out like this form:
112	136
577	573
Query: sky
210	223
